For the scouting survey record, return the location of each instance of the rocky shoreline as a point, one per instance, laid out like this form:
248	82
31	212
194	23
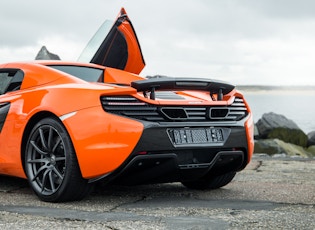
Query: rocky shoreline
276	135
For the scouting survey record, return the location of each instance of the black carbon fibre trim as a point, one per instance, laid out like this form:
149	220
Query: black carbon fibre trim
4	110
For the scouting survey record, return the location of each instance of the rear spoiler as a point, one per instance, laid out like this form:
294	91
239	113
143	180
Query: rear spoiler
170	83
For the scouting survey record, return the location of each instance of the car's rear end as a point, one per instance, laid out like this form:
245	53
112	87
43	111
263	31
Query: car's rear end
193	129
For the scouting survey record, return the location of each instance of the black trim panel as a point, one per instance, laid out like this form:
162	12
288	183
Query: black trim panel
4	110
156	138
171	83
113	51
157	159
162	168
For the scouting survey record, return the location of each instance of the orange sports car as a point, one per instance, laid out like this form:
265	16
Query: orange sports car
66	125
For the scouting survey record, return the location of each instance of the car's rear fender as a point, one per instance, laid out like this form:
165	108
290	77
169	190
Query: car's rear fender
102	141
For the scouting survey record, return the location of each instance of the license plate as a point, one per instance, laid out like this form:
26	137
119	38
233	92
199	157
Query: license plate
196	135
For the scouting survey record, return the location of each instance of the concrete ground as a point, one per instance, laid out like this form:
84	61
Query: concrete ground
271	193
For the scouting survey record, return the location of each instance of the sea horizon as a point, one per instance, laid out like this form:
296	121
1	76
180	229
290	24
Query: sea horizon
293	102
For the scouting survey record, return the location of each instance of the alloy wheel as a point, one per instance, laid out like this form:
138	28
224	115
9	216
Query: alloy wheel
46	160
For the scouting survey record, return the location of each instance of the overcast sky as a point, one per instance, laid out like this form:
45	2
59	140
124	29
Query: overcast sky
265	42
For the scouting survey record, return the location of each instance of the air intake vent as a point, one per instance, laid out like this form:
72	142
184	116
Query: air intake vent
134	108
174	113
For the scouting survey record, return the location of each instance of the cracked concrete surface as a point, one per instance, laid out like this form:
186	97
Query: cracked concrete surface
270	193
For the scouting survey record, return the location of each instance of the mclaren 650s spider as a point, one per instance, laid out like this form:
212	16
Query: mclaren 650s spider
64	126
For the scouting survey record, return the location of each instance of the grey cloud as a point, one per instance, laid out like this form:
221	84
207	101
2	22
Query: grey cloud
178	37
224	19
23	22
285	9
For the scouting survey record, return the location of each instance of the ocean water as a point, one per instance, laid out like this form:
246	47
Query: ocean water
298	106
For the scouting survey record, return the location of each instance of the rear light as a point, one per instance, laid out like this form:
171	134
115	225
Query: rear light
129	106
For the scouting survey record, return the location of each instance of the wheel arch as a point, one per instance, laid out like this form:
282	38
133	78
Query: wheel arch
72	186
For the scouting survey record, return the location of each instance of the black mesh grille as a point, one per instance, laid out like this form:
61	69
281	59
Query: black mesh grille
134	108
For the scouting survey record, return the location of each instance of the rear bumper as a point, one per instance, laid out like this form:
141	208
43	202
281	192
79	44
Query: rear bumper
167	153
161	168
158	137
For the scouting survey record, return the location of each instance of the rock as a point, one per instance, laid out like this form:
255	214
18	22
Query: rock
279	147
273	125
44	54
270	121
294	136
311	138
311	150
256	133
268	146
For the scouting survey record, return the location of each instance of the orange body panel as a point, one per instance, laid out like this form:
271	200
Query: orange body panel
59	96
102	141
249	126
115	75
135	62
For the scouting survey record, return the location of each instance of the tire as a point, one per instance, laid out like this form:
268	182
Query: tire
51	165
210	182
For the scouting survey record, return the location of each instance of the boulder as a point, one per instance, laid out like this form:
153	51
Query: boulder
268	146
311	138
311	150
273	125
44	54
276	146
256	133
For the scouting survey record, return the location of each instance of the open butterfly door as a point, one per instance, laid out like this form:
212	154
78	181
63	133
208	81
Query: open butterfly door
115	45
